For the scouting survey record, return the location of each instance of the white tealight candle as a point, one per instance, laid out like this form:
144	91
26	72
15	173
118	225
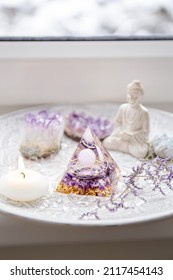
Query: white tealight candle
23	184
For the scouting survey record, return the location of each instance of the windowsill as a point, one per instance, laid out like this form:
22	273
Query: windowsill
85	49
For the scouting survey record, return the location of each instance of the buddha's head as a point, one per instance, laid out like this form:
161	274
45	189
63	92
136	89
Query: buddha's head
135	92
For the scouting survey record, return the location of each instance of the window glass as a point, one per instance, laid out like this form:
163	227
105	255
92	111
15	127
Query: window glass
86	17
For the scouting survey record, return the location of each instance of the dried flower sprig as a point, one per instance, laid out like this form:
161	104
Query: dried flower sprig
158	172
90	214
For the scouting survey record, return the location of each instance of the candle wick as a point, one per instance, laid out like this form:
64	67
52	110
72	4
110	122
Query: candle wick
23	174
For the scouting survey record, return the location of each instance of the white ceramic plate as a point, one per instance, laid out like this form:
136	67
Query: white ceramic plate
59	208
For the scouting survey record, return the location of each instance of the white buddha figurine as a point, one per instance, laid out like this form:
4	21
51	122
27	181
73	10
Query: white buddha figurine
131	130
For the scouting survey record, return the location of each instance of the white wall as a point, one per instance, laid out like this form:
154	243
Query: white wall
66	72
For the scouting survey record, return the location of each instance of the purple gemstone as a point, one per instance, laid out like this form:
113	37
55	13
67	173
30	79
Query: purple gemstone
76	124
99	173
42	135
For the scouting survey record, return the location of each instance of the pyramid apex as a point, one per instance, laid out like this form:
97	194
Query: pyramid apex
88	135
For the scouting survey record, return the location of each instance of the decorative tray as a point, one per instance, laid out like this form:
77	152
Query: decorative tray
71	209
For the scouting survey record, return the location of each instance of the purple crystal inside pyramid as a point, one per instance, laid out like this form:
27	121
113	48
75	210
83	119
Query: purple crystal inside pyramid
76	124
91	170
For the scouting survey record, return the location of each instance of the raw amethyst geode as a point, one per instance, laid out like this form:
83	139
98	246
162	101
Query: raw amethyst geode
76	124
42	134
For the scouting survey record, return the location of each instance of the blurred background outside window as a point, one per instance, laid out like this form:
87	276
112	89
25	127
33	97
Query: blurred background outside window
86	17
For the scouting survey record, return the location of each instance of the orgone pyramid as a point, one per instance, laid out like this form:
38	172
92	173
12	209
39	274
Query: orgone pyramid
91	170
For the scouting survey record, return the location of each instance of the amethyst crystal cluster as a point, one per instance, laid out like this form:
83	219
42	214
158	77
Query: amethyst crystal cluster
76	124
43	133
91	170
